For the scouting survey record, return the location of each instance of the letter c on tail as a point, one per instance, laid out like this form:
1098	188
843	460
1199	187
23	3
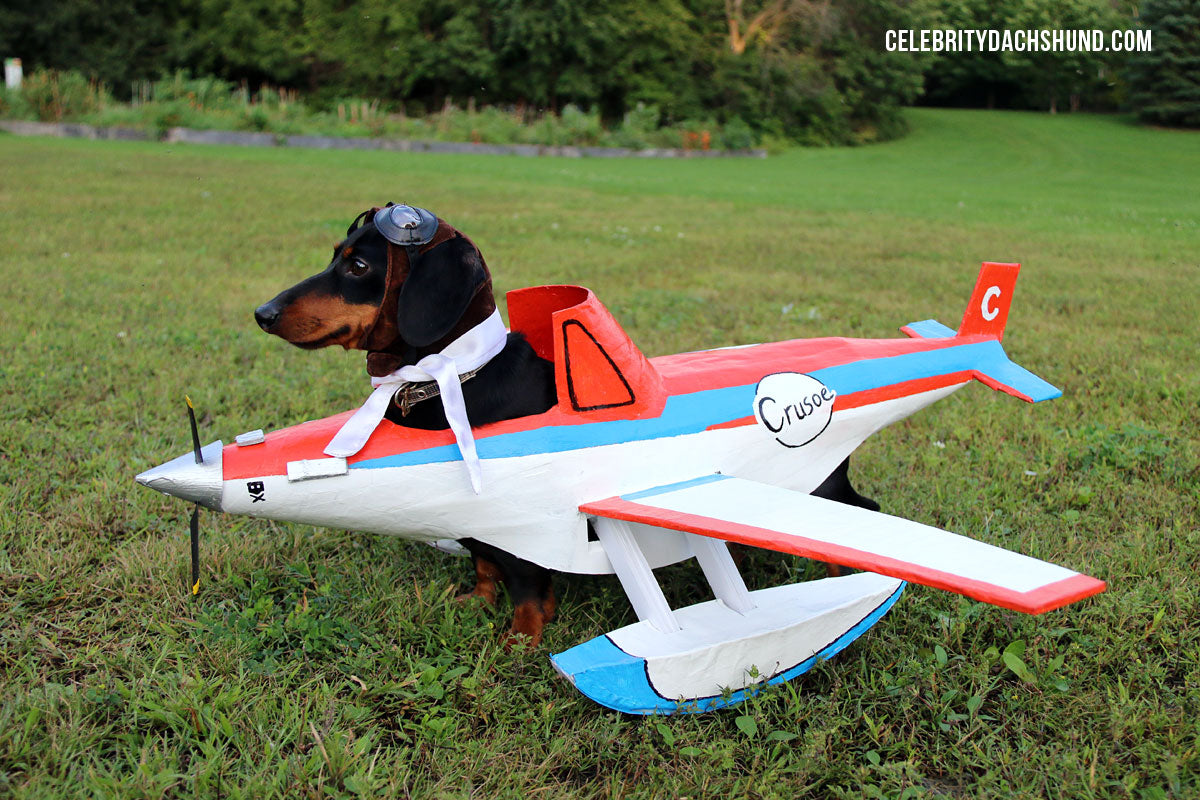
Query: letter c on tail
988	312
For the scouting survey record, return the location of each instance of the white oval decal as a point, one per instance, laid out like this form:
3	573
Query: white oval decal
794	407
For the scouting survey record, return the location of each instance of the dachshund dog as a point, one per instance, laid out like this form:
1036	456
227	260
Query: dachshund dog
401	303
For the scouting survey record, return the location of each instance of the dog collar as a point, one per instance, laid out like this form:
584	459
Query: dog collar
410	394
466	354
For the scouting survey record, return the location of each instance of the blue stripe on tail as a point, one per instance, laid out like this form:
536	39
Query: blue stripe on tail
928	329
996	369
1009	377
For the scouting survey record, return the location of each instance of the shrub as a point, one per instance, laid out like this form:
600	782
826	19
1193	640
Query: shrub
199	93
13	104
637	127
495	126
737	135
161	117
580	127
54	96
211	104
254	118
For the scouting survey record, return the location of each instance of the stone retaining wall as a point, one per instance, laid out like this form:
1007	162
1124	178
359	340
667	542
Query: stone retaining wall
189	136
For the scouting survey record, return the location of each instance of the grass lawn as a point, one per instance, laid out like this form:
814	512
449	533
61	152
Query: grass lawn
319	663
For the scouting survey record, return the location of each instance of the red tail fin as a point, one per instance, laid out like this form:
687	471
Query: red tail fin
987	312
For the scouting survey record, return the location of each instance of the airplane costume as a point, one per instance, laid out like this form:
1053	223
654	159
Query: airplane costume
668	459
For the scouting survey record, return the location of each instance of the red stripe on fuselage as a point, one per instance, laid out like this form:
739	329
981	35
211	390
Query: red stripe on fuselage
740	422
684	373
871	396
902	389
717	369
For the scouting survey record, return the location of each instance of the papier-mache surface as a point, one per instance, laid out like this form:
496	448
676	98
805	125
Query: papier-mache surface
780	519
607	369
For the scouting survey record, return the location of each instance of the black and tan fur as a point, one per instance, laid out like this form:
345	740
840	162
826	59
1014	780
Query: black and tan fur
371	298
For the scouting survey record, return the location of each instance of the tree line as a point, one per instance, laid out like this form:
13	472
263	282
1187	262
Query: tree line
807	70
1162	85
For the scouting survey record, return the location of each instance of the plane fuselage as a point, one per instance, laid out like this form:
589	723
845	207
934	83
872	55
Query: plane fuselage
784	413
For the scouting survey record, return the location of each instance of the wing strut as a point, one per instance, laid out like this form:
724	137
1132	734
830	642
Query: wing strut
637	579
640	585
721	572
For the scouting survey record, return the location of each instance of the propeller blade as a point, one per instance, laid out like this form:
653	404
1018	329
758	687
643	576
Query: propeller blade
195	431
195	549
195	523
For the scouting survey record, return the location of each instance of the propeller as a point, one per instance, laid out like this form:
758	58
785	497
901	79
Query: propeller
195	523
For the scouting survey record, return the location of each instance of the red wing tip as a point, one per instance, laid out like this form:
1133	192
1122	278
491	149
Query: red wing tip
1062	593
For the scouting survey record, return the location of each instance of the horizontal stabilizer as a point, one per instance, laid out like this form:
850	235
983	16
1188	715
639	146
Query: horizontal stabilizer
1014	379
757	514
996	371
928	329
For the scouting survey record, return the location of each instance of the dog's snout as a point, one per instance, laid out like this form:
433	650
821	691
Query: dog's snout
267	315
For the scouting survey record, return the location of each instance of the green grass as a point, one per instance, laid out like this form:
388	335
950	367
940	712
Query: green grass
320	663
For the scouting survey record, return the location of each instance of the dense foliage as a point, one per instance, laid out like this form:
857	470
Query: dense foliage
797	69
214	104
1164	84
1034	80
749	71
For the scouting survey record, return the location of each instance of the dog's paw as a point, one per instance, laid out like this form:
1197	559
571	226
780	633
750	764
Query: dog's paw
478	593
529	618
515	640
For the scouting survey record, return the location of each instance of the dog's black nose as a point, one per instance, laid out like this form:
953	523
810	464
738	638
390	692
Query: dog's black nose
266	316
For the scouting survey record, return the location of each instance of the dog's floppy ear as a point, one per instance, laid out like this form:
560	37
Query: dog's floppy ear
365	216
438	291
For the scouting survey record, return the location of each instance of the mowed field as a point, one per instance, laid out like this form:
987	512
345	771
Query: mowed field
325	663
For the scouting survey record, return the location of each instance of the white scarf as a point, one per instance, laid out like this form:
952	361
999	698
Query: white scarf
468	352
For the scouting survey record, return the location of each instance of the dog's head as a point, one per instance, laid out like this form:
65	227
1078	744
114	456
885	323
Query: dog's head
384	297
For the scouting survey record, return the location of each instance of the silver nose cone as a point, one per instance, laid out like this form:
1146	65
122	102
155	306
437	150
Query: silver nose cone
183	477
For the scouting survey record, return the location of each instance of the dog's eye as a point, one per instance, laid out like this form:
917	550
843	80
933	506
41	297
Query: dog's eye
358	267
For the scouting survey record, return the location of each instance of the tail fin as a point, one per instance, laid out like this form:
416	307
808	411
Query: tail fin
987	311
986	315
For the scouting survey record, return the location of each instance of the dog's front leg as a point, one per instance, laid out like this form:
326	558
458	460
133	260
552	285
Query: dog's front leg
487	581
533	609
530	587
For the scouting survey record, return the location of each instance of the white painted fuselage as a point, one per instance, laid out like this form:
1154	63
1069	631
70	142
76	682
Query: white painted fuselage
529	504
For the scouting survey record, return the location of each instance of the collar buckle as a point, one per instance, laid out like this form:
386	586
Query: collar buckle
409	394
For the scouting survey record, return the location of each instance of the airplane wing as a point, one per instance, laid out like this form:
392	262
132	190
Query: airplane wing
738	510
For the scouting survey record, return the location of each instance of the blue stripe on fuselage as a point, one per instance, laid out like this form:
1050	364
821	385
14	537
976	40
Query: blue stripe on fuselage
674	487
695	412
